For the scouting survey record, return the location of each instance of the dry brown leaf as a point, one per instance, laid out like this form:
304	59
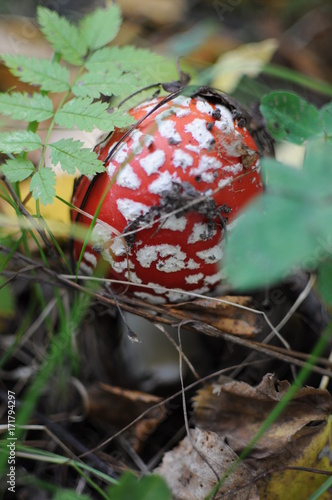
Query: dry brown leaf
118	407
236	411
190	477
226	317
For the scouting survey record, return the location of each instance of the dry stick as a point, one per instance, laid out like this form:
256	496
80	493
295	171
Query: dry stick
203	328
68	281
303	295
214	332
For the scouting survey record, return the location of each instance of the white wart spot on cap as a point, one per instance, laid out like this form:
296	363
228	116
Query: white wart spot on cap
137	146
127	178
118	248
213	279
193	279
233	169
200	133
168	258
163	183
101	234
121	154
182	100
211	255
174	223
152	299
181	159
200	232
191	264
132	277
86	269
153	161
206	164
111	169
166	127
131	209
204	107
225	123
122	265
90	258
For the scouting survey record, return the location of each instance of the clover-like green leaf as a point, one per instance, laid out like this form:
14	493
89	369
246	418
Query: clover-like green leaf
289	117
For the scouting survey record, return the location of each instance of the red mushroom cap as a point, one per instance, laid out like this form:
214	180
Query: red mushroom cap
170	185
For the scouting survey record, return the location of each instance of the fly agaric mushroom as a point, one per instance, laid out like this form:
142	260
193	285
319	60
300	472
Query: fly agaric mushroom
171	185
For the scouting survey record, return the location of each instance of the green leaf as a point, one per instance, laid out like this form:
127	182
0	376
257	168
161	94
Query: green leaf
42	186
18	169
85	114
324	281
326	117
128	59
26	107
121	119
18	141
62	35
50	75
64	494
147	488
71	155
312	183
289	117
272	237
100	27
93	84
317	162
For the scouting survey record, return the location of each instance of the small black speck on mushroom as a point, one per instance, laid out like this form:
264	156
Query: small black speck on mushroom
216	113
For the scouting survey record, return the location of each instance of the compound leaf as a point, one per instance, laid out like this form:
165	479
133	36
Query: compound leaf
17	169
42	186
71	155
26	107
18	141
93	84
100	27
64	36
128	58
85	114
49	75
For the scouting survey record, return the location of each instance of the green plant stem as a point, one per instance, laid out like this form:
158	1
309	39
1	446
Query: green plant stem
295	77
278	409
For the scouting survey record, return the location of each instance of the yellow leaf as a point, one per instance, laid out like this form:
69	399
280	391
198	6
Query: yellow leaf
245	60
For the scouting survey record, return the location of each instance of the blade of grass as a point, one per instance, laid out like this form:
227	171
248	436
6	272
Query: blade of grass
295	77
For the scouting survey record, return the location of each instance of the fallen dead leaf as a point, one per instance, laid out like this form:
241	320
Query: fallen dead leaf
236	411
193	468
118	407
247	59
224	316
